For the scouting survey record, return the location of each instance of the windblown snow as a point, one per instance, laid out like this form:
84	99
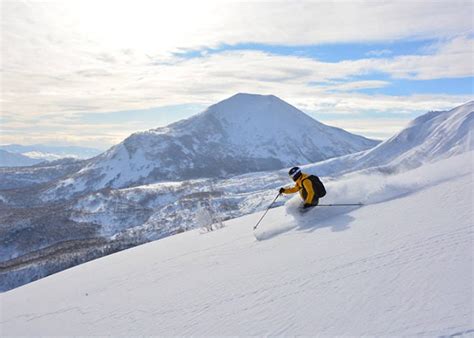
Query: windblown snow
400	265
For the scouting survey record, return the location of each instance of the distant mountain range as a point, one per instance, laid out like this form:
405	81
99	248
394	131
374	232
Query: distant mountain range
36	153
9	159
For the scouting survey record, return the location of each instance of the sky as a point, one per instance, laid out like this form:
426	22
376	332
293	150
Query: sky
92	72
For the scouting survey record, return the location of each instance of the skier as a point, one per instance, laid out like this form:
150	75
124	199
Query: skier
311	189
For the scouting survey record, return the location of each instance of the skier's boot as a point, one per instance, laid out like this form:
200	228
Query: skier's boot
307	207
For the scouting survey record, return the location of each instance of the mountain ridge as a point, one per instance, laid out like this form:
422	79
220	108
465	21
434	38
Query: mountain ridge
429	137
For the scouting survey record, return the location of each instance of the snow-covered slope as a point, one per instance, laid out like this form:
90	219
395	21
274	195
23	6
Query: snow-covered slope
8	159
402	265
244	133
430	137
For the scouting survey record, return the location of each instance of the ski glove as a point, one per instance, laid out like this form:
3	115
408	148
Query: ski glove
306	205
282	190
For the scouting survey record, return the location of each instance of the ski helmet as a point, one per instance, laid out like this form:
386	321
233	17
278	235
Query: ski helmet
295	173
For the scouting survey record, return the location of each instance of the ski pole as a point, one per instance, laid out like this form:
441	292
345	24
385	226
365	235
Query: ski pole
256	225
339	204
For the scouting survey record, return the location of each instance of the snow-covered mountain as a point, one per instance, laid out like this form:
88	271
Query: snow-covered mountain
9	159
244	133
51	153
400	266
430	137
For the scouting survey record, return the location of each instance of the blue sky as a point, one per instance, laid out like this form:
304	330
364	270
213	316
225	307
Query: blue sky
332	52
74	74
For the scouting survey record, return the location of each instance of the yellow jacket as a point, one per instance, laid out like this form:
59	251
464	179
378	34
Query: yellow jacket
304	186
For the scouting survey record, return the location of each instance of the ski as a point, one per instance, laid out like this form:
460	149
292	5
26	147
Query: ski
340	205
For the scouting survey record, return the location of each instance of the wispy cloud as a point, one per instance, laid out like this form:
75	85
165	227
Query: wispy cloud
379	52
451	59
374	128
356	85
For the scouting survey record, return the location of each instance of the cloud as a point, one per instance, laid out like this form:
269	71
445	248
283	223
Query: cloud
62	130
137	84
451	59
373	128
162	27
379	52
354	103
71	57
357	85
